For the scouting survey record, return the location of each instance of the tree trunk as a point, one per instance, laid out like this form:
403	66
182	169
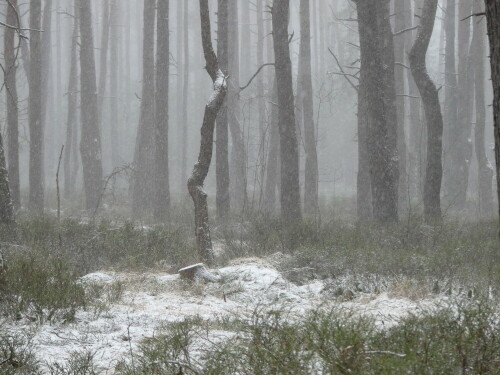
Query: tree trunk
185	91
90	143
113	83
10	70
71	123
493	17
432	107
363	190
290	189
162	198
306	98
103	58
143	191
261	105
272	163
239	168
36	186
200	170
6	206
381	127
221	151
485	171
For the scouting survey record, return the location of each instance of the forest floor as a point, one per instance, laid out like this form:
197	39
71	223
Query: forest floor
144	302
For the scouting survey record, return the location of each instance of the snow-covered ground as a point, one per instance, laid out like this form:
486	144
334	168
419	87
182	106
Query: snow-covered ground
150	299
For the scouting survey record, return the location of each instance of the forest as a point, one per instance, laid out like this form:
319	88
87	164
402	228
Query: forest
198	187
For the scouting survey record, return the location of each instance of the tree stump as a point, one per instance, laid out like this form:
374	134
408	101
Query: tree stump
197	272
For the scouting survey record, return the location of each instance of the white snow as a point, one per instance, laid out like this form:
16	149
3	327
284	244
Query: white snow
154	298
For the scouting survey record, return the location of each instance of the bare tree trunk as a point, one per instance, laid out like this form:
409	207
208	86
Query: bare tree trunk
311	165
493	17
36	186
10	82
381	127
103	57
290	189
113	83
6	206
90	143
71	124
430	98
143	191
400	50
261	105
272	163
485	171
185	91
450	93
161	206
221	151
200	170
239	174
363	190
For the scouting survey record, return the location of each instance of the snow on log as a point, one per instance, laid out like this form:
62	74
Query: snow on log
197	272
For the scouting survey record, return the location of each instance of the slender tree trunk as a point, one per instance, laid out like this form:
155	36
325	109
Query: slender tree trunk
222	133
432	107
485	171
36	186
6	206
103	57
272	163
311	165
200	170
400	50
261	105
290	189
239	170
71	123
493	17
450	93
381	127
10	82
143	191
113	83
90	143
185	91
162	185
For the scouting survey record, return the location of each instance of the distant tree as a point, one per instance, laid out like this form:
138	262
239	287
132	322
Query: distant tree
6	206
161	206
290	189
222	135
432	107
72	118
36	185
493	18
185	69
142	191
377	74
115	39
306	98
10	71
200	170
90	143
103	57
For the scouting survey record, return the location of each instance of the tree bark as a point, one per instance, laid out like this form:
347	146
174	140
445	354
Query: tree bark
162	197
306	98
200	170
432	107
71	123
12	104
290	189
113	83
185	90
493	18
36	188
381	126
485	171
6	206
272	163
143	191
103	58
90	143
222	133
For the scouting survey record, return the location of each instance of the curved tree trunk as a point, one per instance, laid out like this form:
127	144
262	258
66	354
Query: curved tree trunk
12	103
290	189
432	107
200	170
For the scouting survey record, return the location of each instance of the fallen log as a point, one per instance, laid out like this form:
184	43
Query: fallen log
197	272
